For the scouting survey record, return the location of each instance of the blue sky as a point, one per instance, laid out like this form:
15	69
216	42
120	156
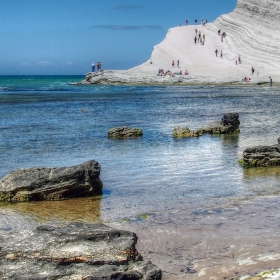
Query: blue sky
65	36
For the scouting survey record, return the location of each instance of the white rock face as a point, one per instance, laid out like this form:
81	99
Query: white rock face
252	31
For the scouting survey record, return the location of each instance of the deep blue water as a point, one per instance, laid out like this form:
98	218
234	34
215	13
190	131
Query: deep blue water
46	121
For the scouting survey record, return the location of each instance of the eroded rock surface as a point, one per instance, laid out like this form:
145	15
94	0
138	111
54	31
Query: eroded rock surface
50	183
124	132
76	251
261	156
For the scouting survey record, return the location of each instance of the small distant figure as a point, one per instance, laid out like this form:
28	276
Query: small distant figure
186	72
219	32
92	67
187	22
195	21
216	51
270	81
195	39
252	70
203	36
180	24
239	59
99	66
206	21
195	31
257	73
236	62
221	54
178	63
173	64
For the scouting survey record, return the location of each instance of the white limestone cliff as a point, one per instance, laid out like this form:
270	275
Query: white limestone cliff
252	31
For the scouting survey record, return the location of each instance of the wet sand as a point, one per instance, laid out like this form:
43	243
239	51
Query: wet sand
225	245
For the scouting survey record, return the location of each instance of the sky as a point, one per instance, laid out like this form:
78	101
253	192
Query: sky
64	37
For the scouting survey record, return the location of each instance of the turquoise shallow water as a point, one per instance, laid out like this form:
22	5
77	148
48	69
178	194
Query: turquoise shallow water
46	121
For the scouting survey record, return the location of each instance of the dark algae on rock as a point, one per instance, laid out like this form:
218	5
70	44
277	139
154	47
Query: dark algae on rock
51	183
74	251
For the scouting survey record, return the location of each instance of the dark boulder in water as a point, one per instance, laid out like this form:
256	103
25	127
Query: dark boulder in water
261	156
184	132
229	124
50	183
124	132
75	251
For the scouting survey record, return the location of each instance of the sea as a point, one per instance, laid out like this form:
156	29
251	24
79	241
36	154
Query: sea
154	184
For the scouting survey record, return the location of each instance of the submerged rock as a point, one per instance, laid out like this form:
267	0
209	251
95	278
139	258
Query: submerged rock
50	183
184	132
229	124
261	156
75	251
124	132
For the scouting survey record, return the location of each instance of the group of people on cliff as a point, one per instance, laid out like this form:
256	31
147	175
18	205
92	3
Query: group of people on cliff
99	64
198	38
161	72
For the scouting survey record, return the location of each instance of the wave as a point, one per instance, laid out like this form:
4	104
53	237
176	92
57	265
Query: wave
12	89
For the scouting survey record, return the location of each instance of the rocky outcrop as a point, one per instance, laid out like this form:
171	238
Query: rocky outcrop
261	156
229	124
184	132
124	132
43	183
75	251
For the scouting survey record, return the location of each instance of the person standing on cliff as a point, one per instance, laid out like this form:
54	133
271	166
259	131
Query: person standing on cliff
216	51
173	64
187	22
221	54
178	63
92	67
270	81
195	39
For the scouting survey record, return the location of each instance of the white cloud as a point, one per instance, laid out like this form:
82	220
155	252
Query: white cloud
45	63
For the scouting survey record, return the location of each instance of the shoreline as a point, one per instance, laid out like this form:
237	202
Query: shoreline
122	77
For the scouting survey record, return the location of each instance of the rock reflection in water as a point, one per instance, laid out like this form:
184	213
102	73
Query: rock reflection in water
80	209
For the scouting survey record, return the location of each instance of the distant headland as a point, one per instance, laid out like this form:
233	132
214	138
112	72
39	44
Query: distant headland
241	47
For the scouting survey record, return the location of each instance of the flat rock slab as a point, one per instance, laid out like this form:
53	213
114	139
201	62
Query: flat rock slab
75	251
261	156
124	132
50	183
